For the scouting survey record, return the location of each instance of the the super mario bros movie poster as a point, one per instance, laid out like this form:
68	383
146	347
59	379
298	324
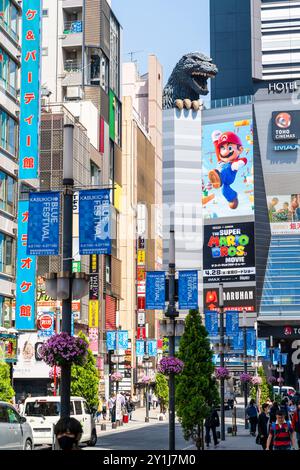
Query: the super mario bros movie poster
227	166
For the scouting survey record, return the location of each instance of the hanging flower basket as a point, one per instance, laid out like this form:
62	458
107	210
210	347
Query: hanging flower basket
62	349
58	373
170	365
272	380
116	377
245	378
146	379
256	380
280	380
222	373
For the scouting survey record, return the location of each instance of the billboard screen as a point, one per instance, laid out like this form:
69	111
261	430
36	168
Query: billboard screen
227	185
284	214
228	253
286	125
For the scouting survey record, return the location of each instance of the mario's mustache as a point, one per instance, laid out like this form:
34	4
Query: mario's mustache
228	156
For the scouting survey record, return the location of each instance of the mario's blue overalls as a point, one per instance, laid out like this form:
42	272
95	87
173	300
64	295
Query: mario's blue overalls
227	178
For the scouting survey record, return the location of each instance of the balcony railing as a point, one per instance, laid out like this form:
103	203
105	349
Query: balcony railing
73	65
227	102
72	27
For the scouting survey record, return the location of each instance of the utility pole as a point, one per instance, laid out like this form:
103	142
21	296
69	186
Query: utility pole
172	314
222	360
68	183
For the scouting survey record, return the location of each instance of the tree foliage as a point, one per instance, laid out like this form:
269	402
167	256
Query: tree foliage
196	388
85	379
264	390
6	390
162	391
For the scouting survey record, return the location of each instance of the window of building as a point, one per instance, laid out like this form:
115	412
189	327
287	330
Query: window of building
9	132
95	175
8	73
104	67
45	12
9	18
114	56
7	262
118	123
7	193
45	51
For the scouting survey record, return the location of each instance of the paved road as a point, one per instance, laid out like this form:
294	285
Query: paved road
153	437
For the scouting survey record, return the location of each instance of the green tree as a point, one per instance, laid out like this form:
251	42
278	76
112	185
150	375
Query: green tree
162	391
6	390
196	388
85	379
264	391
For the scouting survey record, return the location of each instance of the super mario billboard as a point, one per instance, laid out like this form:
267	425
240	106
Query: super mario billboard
227	156
228	253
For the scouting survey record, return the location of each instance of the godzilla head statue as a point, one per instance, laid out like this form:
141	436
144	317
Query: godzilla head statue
189	79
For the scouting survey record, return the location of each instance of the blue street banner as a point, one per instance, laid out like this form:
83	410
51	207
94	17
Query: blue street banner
152	347
139	348
232	323
238	341
30	90
284	359
122	339
155	290
211	322
43	224
262	347
188	290
276	356
95	222
25	275
111	340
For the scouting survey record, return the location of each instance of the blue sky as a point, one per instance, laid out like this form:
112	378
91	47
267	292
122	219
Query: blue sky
167	28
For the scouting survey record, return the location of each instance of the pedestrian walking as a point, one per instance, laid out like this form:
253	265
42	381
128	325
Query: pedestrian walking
212	422
104	409
130	407
262	427
68	432
296	424
149	400
154	401
99	410
273	410
281	433
112	407
284	407
252	414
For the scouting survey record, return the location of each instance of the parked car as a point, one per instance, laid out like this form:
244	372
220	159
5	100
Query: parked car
15	431
285	390
42	414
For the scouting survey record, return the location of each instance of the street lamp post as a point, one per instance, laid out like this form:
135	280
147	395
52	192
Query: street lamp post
244	326
147	363
280	369
222	360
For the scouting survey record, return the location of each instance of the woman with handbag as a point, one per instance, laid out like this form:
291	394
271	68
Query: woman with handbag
263	427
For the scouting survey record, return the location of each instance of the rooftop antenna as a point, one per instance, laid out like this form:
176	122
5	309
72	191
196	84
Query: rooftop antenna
132	53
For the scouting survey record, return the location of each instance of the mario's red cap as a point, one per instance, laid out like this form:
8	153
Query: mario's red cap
229	138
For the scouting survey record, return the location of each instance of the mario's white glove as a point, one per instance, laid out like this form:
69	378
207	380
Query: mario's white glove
216	135
237	165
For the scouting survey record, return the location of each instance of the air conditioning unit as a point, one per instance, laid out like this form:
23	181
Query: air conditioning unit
74	92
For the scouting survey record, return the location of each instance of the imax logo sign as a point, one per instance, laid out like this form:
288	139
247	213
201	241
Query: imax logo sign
285	148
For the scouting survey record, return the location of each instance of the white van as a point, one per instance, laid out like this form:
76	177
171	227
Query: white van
43	412
285	390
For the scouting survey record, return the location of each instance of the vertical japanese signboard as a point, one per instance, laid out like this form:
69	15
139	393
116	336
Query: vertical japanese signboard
188	290
94	292
94	222
43	224
28	158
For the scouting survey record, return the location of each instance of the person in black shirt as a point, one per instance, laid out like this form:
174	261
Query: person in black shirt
211	423
263	428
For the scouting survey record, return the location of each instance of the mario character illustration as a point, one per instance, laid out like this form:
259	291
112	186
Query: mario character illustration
228	148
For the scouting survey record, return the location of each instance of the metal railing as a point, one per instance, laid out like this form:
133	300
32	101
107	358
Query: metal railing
227	102
73	65
72	27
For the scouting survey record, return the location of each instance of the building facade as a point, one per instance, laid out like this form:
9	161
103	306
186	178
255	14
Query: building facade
10	12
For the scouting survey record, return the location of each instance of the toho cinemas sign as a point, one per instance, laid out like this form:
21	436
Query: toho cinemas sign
281	332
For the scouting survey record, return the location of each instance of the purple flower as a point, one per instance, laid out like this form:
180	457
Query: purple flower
245	378
116	377
170	365
280	380
222	373
256	380
272	380
63	348
146	379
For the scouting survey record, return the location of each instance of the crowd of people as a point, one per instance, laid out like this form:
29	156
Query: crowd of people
276	426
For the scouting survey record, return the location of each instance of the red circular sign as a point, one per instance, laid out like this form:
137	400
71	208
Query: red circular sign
46	322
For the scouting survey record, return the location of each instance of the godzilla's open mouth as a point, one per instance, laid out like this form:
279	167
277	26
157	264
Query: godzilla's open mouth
200	80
